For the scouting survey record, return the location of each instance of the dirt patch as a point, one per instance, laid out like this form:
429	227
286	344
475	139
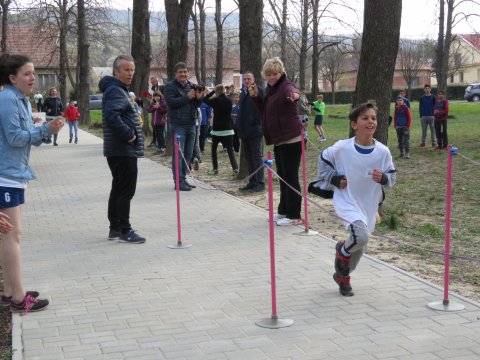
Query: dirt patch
423	264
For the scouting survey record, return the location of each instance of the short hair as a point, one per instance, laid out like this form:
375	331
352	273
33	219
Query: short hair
319	95
360	109
427	85
180	65
219	89
52	88
440	92
116	62
273	66
9	65
302	88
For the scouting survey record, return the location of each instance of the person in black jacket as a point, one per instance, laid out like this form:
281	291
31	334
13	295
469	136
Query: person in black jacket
249	129
222	129
53	107
122	146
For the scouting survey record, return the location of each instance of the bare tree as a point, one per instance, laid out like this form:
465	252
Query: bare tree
83	65
4	5
219	53
178	14
332	64
281	13
381	36
196	32
411	58
141	51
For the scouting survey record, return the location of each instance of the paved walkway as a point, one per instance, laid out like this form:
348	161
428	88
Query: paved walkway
111	300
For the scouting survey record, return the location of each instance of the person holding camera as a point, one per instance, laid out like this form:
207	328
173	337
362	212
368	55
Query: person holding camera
183	98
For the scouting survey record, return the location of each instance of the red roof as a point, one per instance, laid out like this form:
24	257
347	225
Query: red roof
39	46
472	39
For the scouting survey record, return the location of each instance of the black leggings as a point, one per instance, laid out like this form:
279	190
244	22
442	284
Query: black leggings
227	142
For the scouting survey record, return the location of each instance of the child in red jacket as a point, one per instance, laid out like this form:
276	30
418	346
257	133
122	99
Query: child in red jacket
401	121
72	115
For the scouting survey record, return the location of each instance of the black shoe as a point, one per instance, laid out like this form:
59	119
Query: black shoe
132	237
70	141
6	300
343	285
114	234
29	303
55	144
76	141
247	187
259	188
184	187
151	145
191	185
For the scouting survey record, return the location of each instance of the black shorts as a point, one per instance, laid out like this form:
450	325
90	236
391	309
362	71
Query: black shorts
318	120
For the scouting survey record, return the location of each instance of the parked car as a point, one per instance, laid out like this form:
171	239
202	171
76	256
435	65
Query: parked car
96	101
472	92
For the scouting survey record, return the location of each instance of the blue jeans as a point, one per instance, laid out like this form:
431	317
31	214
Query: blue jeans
185	145
73	126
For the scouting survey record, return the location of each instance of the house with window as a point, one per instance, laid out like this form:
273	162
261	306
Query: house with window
465	62
42	48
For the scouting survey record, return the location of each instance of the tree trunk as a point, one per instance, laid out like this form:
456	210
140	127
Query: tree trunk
219	57
83	65
315	51
304	44
203	46
443	44
381	35
3	43
197	56
141	53
177	13
62	76
251	19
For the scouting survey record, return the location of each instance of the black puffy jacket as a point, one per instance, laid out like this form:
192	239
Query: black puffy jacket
119	120
249	118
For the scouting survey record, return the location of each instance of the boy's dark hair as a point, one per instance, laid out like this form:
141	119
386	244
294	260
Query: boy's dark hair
440	92
9	65
355	113
427	85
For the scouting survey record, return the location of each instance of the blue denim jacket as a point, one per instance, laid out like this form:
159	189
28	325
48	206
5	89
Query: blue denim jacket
17	135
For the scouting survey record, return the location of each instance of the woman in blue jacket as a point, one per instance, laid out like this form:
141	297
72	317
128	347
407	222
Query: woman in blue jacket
17	134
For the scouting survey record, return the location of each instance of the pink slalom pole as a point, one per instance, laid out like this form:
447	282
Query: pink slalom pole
272	235
304	171
448	207
177	187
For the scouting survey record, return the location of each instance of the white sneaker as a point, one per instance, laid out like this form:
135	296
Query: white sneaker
286	222
319	138
323	138
277	217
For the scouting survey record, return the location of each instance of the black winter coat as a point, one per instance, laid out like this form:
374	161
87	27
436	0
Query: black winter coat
249	119
222	111
54	104
181	110
119	120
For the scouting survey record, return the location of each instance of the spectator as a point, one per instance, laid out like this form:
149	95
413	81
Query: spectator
53	107
402	93
401	121
122	146
38	100
282	128
235	108
17	135
72	115
319	107
426	105
249	129
158	109
222	126
441	116
206	121
182	102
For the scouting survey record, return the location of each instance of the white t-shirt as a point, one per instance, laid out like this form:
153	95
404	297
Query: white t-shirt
360	199
12	183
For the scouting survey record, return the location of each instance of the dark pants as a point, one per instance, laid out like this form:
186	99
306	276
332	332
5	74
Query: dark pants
236	142
253	154
203	136
403	137
185	145
158	136
441	132
287	160
227	143
124	172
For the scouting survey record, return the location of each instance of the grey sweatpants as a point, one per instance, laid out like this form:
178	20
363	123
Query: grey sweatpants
427	122
356	242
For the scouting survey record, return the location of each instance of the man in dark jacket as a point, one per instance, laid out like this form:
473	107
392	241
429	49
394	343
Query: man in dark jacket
249	129
182	102
122	146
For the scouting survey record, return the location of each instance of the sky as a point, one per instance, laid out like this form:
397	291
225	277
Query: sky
418	16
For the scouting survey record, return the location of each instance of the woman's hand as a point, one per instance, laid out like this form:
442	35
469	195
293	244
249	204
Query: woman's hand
5	226
56	124
253	90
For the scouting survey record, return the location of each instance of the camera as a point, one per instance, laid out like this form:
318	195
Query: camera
198	87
